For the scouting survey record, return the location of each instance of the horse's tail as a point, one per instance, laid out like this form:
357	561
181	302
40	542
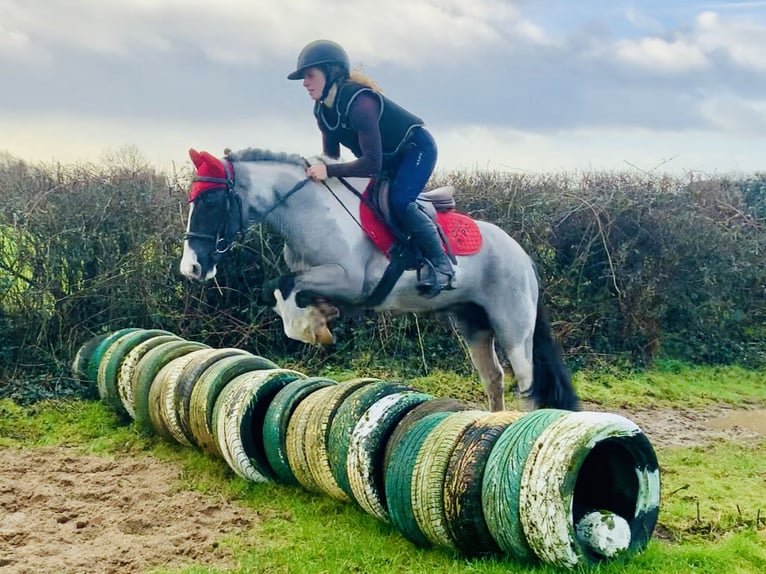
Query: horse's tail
551	381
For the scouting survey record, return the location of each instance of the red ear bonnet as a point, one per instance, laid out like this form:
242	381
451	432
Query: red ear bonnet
207	166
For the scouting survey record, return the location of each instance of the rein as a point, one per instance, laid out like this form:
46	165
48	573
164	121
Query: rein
350	188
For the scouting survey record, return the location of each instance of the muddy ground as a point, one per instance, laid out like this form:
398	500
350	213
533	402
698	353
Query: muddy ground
64	512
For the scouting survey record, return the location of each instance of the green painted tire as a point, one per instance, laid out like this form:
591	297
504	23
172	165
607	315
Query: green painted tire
582	462
240	413
296	438
367	444
148	367
398	477
109	367
83	355
215	372
435	405
462	484
502	481
348	414
429	472
191	376
98	353
276	421
128	367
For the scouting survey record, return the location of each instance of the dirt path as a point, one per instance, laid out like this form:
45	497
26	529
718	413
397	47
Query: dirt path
66	513
63	512
687	427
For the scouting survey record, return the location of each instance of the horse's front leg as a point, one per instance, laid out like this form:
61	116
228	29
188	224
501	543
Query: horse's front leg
307	324
301	299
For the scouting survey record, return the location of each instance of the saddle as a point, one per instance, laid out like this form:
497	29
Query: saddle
460	234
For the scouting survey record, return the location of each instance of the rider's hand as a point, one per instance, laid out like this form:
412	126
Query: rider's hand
317	172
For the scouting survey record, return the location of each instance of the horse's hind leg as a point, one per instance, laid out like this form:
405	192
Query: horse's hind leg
481	346
520	357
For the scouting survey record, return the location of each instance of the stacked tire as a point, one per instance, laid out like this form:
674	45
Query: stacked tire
553	486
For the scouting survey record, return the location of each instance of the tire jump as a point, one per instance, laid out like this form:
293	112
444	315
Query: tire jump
550	486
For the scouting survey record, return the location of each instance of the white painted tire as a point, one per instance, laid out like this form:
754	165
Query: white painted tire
572	454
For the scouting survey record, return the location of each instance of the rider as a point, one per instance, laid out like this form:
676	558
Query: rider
383	136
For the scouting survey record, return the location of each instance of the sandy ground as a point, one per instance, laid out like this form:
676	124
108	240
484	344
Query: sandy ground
63	512
67	513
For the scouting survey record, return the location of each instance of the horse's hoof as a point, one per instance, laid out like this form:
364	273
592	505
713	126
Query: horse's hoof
324	336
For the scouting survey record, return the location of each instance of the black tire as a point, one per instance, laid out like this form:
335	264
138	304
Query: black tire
462	484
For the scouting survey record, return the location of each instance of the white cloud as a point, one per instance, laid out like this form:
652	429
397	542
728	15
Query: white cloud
709	36
409	32
660	55
744	42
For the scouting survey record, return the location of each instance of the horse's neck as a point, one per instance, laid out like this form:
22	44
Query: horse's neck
311	218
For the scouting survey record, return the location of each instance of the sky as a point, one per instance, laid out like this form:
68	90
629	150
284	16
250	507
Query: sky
534	86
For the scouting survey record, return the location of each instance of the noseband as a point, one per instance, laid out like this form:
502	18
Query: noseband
223	240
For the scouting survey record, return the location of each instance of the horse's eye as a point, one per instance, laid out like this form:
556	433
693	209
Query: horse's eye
210	198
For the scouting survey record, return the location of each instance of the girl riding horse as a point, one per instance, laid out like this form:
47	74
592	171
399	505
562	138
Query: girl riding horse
384	137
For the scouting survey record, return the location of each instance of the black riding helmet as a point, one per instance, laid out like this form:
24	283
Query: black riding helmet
320	53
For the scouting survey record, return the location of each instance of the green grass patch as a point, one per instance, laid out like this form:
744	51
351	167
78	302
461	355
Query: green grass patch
672	384
710	492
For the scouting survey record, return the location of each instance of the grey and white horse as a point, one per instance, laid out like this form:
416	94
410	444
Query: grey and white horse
497	294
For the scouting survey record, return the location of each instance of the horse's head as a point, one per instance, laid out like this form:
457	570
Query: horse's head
214	216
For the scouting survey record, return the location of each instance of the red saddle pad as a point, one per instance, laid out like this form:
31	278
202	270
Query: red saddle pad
461	231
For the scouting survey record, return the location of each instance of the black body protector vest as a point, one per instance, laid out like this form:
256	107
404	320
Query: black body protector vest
396	123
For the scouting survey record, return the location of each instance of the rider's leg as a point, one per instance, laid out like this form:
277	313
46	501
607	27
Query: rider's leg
413	171
426	236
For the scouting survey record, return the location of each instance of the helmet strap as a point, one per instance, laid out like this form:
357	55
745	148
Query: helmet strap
333	75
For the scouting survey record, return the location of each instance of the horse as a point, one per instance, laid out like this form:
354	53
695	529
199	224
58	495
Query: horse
335	263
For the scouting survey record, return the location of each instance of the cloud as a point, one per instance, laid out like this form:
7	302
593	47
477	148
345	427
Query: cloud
522	69
662	56
743	42
711	41
412	33
735	115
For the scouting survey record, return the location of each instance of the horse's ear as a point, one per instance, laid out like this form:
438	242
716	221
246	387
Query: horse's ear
195	156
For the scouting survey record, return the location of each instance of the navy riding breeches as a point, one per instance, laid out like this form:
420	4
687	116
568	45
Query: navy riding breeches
415	166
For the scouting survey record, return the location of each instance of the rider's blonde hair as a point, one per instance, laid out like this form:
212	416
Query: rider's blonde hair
356	75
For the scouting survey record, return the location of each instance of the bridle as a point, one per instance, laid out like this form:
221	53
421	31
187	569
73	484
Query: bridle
225	237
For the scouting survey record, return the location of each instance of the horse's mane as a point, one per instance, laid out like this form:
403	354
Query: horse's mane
255	154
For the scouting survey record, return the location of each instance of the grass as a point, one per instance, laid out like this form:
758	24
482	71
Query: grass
673	384
713	515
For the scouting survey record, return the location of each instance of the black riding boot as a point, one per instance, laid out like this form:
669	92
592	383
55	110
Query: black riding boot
437	274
